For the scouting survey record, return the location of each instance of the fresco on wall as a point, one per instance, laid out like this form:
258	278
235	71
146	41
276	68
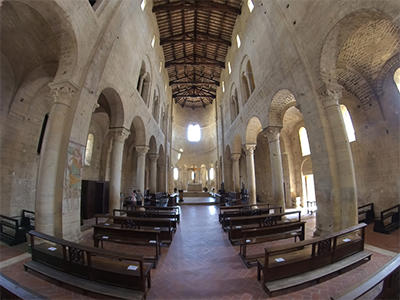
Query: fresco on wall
73	174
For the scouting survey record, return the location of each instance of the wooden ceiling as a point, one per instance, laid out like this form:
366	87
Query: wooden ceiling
195	36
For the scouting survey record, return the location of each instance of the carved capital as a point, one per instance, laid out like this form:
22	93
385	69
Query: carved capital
249	149
95	106
330	94
120	134
272	133
235	156
153	156
62	95
142	150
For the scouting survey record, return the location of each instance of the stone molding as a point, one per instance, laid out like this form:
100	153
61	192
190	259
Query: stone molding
235	156
120	134
62	95
153	156
272	133
142	150
249	149
330	95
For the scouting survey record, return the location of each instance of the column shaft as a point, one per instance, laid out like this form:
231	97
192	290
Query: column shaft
141	167
251	176
236	173
153	173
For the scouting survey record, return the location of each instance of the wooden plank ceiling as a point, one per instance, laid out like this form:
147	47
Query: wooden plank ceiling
195	36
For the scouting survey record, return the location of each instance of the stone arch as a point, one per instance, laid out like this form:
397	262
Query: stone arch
233	103
116	111
254	127
281	102
237	144
246	79
152	145
389	68
140	130
338	36
144	80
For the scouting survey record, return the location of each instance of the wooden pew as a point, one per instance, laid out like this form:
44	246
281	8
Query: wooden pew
291	265
109	273
11	231
176	209
388	221
172	216
139	237
388	275
247	213
268	234
27	219
366	213
10	289
238	224
162	225
222	208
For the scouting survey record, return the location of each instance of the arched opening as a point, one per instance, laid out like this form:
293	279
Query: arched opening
396	78
305	145
348	123
89	149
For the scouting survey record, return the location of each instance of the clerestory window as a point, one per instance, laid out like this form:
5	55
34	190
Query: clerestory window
89	149
348	123
194	133
305	146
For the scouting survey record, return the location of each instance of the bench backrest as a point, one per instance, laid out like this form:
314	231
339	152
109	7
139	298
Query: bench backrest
250	212
128	222
314	253
146	214
115	232
265	231
385	213
92	263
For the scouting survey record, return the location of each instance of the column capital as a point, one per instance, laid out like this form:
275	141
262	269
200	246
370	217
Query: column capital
63	93
142	150
153	156
120	134
235	156
330	94
249	149
272	133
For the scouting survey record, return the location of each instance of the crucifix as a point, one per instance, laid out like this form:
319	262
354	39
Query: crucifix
194	169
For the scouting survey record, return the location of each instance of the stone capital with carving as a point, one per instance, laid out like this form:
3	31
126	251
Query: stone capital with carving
330	94
142	150
235	156
272	133
153	156
62	95
120	134
249	149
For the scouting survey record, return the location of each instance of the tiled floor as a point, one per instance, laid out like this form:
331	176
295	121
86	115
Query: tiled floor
201	263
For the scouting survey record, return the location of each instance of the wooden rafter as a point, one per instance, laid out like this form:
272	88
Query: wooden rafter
195	5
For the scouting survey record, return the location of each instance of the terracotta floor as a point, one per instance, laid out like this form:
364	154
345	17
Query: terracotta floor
201	263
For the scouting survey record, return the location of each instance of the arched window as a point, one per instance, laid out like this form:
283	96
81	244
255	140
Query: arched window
305	146
194	133
348	123
211	173
176	173
396	78
89	149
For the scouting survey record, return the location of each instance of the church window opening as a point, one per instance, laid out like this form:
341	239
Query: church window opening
396	78
143	5
308	187
305	146
192	175
250	5
176	173
212	174
229	67
89	149
223	86
194	133
348	123
39	147
153	41
239	43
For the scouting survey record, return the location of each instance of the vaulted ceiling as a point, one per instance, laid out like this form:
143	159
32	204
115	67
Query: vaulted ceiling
195	36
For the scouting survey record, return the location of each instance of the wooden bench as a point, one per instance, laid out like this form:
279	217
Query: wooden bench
11	289
268	234
149	214
11	231
292	265
247	213
223	208
138	237
176	209
388	221
238	224
162	225
28	219
108	273
388	275
366	213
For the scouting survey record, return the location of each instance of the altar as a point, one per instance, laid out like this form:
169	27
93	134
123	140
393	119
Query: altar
194	187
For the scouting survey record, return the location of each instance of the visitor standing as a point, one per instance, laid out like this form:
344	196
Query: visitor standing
139	197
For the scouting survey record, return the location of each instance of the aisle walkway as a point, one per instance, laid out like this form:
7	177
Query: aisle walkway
201	263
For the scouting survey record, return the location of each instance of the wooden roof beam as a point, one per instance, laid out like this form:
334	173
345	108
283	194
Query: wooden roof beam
207	64
202	5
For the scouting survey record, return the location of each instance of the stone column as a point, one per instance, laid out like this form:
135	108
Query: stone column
236	174
141	80
120	135
272	134
49	189
141	167
345	213
153	172
248	76
251	174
